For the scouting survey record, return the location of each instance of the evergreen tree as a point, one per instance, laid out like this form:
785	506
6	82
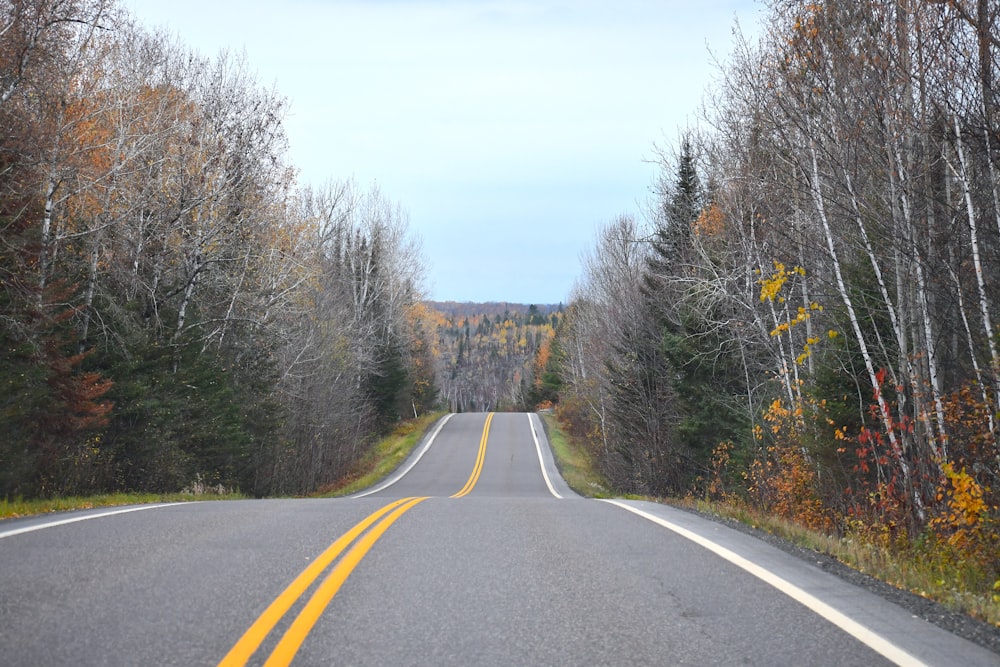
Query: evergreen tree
681	201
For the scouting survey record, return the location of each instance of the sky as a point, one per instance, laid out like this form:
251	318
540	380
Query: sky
509	131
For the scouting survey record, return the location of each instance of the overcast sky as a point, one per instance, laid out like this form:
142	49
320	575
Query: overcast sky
509	131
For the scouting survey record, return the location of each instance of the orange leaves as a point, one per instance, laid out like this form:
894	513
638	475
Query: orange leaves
783	477
542	356
710	222
967	523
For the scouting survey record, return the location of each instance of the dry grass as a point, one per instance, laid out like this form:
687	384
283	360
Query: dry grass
575	463
921	568
19	507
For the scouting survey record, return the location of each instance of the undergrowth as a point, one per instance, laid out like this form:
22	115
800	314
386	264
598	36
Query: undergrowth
387	455
575	464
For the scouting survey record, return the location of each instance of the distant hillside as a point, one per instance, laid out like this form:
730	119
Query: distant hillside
486	354
491	308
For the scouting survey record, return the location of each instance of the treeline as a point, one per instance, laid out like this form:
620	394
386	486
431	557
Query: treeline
809	322
174	308
486	359
462	309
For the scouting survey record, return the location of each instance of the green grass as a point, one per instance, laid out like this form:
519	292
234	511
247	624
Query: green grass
575	463
19	507
383	458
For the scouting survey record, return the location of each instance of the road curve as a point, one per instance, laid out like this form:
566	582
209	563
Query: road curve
476	553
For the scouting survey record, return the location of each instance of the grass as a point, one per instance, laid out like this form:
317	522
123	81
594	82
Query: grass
18	507
385	457
575	463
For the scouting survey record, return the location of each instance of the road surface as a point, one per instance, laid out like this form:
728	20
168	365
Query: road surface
474	553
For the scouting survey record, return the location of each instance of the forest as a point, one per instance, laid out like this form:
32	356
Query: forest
488	356
806	323
175	309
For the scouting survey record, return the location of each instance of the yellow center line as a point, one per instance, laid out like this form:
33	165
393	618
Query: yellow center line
363	541
252	638
480	457
296	634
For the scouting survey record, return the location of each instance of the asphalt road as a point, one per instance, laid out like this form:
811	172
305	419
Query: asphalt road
475	553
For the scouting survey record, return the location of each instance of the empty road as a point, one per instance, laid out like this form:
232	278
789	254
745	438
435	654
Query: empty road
474	553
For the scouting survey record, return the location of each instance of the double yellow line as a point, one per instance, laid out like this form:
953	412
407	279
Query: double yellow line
480	457
363	536
304	622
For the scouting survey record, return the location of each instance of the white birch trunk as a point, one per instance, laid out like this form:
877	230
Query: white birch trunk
984	306
885	413
44	257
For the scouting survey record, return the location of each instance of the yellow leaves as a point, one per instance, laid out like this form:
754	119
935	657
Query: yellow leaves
771	287
770	290
966	516
965	498
807	349
801	316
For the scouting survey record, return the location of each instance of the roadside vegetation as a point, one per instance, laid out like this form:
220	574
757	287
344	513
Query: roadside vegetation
576	465
804	327
18	507
384	458
926	568
175	306
379	462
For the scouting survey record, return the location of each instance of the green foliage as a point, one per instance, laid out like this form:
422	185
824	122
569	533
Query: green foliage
709	385
171	426
388	386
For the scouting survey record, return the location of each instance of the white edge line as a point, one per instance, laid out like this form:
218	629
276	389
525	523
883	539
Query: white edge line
541	461
398	476
63	522
875	641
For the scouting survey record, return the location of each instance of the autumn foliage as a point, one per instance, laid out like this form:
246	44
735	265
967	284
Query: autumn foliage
174	307
807	325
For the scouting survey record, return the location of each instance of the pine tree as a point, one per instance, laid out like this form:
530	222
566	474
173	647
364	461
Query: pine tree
682	200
